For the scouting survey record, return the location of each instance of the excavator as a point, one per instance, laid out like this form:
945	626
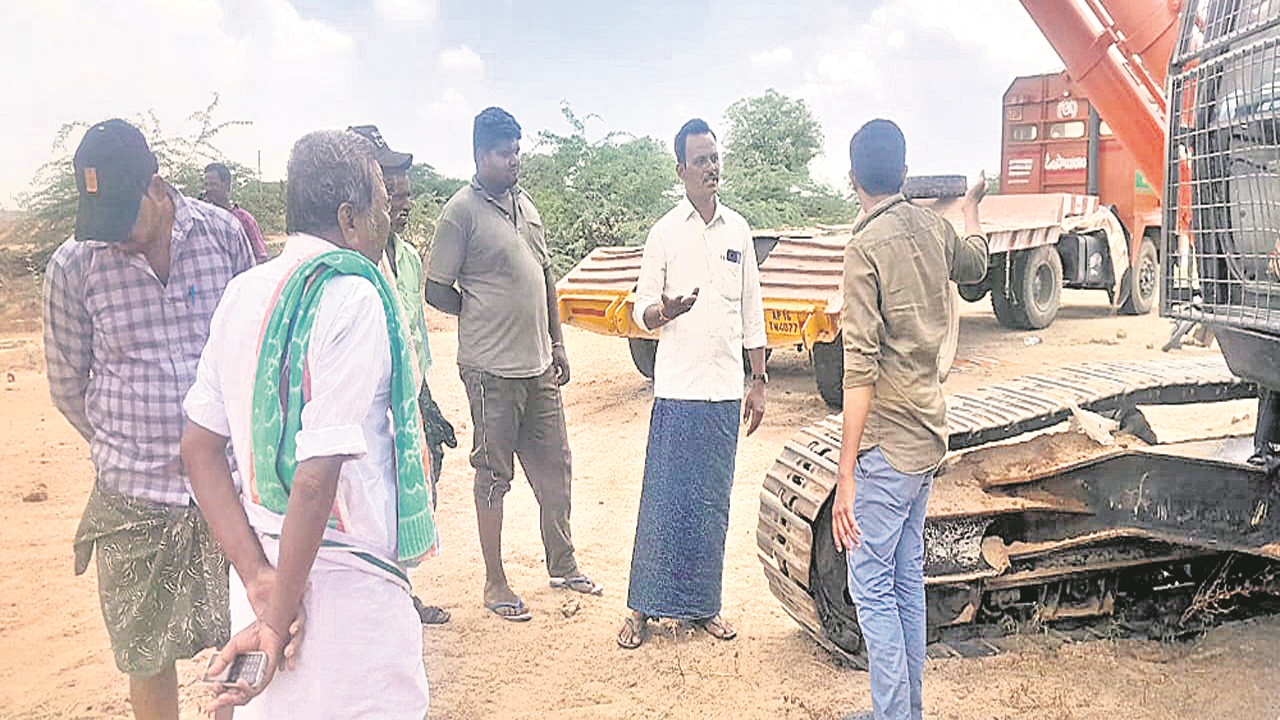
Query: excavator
1106	530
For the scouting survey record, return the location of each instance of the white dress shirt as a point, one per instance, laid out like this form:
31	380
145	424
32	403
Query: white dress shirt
349	372
700	352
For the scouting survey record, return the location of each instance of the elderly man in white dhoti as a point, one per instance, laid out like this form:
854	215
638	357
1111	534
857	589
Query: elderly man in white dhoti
309	373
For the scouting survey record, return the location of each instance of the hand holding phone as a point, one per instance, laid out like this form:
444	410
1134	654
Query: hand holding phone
250	667
244	667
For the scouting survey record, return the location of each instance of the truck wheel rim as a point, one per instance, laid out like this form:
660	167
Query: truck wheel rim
1147	278
1042	287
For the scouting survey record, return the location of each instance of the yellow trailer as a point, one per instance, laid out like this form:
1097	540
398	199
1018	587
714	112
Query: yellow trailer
800	273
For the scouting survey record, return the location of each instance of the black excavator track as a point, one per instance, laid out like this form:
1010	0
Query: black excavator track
1124	540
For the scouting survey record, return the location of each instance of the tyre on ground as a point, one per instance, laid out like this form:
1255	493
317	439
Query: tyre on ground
1141	295
644	353
1028	294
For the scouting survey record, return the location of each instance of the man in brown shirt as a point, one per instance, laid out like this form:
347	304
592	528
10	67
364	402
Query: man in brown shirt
896	272
489	266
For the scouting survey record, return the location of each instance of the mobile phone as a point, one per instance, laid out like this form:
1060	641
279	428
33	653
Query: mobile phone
251	667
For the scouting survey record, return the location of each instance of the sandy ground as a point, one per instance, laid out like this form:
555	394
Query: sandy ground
55	661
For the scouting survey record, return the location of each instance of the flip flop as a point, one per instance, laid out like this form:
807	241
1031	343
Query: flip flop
717	628
430	614
639	630
517	610
577	583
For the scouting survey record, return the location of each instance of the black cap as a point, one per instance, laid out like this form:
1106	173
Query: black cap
387	158
113	167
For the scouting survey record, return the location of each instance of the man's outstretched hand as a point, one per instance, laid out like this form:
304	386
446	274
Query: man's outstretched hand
674	307
976	191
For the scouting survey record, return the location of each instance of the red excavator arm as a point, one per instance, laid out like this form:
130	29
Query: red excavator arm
1117	52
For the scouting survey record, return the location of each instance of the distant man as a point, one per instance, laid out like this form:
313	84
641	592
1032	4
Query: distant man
896	269
700	288
217	190
402	265
489	266
309	375
127	304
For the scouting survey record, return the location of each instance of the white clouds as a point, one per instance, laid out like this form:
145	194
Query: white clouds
461	62
854	67
286	73
937	68
443	132
401	12
770	59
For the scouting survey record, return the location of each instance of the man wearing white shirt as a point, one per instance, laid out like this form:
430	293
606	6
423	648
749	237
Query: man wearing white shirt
699	288
308	372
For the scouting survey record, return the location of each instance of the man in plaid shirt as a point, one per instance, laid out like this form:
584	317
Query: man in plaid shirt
127	306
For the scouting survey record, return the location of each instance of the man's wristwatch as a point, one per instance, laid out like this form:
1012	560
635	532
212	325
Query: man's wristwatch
762	377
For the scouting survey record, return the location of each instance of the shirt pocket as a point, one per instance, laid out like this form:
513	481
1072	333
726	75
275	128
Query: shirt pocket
726	273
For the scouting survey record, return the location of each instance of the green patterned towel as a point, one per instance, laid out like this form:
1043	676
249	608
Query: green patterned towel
277	413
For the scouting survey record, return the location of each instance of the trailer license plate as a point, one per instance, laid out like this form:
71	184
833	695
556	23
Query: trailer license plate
783	322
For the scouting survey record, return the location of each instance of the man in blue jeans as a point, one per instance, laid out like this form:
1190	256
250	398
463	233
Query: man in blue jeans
896	269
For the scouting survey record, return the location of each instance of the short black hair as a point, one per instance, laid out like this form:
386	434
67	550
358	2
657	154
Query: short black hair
878	157
696	126
493	127
223	171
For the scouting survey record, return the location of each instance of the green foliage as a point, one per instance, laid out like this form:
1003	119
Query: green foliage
263	199
769	142
590	193
49	210
607	192
772	130
431	191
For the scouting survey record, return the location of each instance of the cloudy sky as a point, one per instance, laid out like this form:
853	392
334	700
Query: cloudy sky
421	69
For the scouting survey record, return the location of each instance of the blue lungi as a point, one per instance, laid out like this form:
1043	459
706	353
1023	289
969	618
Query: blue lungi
677	566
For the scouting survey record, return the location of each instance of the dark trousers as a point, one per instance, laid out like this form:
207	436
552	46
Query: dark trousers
524	418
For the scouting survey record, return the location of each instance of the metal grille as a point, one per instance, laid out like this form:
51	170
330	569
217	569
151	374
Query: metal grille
1222	199
1212	24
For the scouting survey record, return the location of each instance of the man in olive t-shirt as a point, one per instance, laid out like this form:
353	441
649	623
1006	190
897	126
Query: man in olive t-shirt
489	266
896	269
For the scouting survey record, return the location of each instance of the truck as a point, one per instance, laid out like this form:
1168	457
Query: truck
1054	143
1103	533
1074	210
1085	133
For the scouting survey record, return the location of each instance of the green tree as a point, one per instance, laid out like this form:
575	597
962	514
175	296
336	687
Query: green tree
607	192
772	130
770	140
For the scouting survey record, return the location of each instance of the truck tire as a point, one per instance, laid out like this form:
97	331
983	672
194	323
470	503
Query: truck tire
1142	294
828	370
644	353
1032	294
1004	306
1040	275
974	293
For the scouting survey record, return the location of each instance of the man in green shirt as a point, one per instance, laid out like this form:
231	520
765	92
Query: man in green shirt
404	265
